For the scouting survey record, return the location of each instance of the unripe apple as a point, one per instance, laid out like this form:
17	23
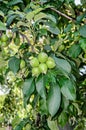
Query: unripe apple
22	64
42	57
50	63
35	71
34	62
43	68
4	38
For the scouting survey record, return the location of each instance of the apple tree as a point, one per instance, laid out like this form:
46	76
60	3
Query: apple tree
42	53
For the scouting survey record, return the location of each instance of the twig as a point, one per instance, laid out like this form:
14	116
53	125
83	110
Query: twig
64	15
24	36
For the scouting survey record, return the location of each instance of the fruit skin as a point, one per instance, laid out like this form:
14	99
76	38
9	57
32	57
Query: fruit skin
22	64
4	38
34	62
61	48
42	57
43	68
35	71
50	63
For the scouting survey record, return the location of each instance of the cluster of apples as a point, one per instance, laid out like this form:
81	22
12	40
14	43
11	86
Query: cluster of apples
41	64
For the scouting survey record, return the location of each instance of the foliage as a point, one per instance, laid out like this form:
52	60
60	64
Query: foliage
56	28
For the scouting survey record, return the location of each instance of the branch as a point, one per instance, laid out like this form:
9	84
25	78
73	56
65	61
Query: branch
64	15
24	36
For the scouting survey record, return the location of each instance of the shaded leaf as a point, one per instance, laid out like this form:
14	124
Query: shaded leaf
40	87
68	88
43	107
83	31
10	19
51	27
54	99
74	50
62	119
14	64
63	64
14	2
28	89
82	42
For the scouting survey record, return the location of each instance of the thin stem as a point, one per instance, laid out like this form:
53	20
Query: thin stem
64	15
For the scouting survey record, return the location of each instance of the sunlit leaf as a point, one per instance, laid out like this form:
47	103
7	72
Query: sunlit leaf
2	26
52	124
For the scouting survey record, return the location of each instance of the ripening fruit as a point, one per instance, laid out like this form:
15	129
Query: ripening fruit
43	68
4	38
42	57
22	64
50	63
35	71
61	48
34	62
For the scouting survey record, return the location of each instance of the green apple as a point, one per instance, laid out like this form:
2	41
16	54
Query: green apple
43	68
50	63
34	62
42	57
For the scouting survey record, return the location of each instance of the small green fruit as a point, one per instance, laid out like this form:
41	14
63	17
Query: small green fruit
50	63
34	62
35	71
42	57
61	48
22	64
4	38
43	68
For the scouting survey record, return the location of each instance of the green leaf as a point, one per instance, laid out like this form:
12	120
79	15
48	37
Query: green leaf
1	13
80	17
40	87
82	42
62	119
51	27
14	64
74	50
43	107
52	124
10	19
28	89
31	14
63	64
83	31
43	1
68	88
54	99
68	28
14	2
2	26
44	15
